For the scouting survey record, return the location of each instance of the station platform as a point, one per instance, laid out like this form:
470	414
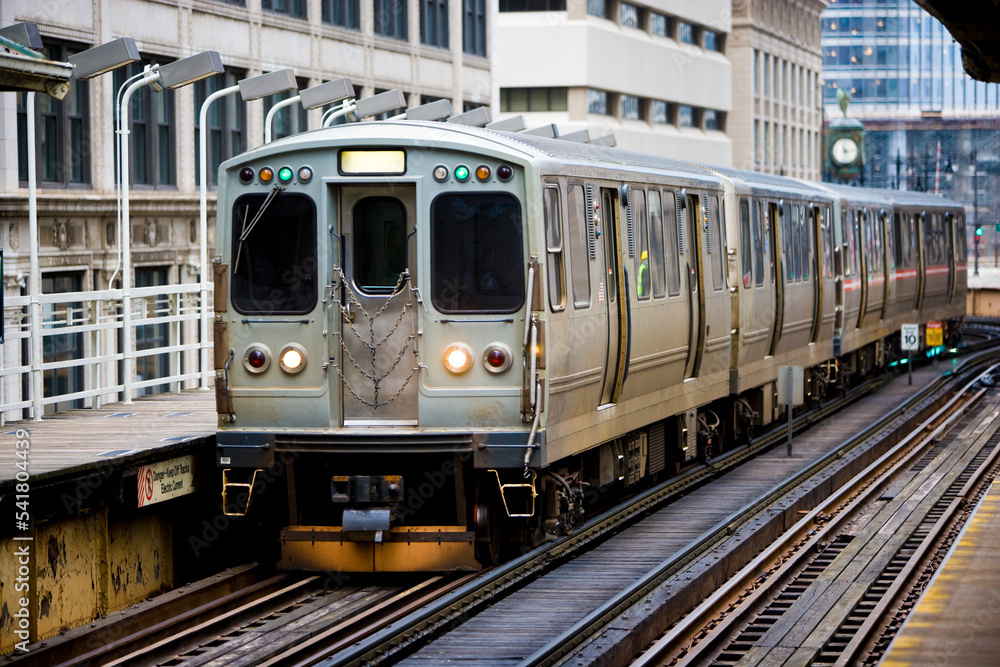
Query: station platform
957	620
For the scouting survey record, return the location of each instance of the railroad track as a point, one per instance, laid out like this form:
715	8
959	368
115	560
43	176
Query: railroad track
790	595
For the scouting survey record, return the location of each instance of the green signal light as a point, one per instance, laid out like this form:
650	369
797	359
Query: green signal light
285	174
979	231
461	173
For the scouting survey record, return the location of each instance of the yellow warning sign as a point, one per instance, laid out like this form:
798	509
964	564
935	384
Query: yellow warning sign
935	334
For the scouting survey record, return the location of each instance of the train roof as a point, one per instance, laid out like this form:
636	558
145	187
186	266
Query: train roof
758	182
900	197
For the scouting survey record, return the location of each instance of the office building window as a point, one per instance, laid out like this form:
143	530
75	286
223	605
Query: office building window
599	8
152	132
152	336
434	23
630	107
294	8
659	24
390	19
714	40
474	31
62	347
226	120
687	33
287	120
660	112
714	120
62	134
532	99
532	5
342	13
685	116
597	101
630	15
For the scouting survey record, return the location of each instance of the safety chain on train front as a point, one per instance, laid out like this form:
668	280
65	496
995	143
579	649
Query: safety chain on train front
353	307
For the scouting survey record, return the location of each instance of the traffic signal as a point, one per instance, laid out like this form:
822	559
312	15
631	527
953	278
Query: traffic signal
979	230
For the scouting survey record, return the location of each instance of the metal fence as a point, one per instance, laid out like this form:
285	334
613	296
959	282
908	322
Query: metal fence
79	349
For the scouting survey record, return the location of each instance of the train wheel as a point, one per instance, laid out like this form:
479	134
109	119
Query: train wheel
489	525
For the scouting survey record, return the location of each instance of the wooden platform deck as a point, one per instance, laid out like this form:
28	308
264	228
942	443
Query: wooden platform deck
77	441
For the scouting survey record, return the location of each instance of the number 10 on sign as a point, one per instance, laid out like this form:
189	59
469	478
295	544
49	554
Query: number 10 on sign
910	340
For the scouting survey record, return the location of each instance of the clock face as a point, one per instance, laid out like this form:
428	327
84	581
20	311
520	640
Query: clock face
844	151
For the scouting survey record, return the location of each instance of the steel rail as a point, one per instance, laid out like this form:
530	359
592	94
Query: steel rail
837	509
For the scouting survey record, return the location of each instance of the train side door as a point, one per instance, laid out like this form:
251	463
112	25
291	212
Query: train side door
373	327
860	227
616	295
888	263
815	225
954	247
919	228
696	294
771	213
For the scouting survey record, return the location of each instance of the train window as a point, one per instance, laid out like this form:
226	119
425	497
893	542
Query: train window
379	244
274	254
672	249
786	242
828	240
810	255
477	261
746	244
899	236
759	243
554	247
797	241
579	253
718	269
644	268
656	249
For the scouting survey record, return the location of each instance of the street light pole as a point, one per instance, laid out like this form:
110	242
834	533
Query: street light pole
975	207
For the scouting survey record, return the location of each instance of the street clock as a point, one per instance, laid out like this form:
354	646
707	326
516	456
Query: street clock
844	151
843	144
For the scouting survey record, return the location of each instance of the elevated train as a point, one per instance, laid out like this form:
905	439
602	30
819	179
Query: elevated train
442	340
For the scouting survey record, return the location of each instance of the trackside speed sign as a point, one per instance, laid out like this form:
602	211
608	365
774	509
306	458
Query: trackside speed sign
910	337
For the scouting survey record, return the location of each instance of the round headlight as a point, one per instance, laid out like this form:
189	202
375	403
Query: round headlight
292	358
497	358
257	358
440	173
305	174
458	358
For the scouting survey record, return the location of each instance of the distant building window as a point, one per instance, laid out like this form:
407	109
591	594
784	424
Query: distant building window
62	347
288	120
629	15
474	33
532	5
713	40
342	13
226	120
152	336
597	101
293	8
152	133
434	23
686	33
685	116
62	131
630	107
715	120
532	99
659	112
390	19
659	24
598	8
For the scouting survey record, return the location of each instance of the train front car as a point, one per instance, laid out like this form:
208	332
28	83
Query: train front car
371	286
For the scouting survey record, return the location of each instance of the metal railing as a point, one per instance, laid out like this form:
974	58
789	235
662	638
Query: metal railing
71	351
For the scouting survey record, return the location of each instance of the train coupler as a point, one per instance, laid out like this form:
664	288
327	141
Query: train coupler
235	508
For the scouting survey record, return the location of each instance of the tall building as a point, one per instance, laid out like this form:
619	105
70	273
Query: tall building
777	120
654	74
928	125
430	50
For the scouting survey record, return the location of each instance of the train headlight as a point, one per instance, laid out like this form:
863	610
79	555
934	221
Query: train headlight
305	174
440	173
458	358
292	358
257	358
497	358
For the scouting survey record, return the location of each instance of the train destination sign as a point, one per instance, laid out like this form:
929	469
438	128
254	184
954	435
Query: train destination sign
910	337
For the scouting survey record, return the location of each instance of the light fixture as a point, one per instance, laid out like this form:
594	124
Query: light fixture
477	117
458	358
104	58
311	98
257	358
437	110
272	83
188	70
25	34
292	358
381	103
497	358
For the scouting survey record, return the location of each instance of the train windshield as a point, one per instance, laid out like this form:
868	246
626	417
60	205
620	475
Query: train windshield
477	262
274	254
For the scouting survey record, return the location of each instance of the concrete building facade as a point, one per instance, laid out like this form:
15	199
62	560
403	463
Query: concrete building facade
656	74
777	117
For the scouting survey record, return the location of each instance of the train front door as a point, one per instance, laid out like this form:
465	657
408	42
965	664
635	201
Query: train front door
373	320
616	296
